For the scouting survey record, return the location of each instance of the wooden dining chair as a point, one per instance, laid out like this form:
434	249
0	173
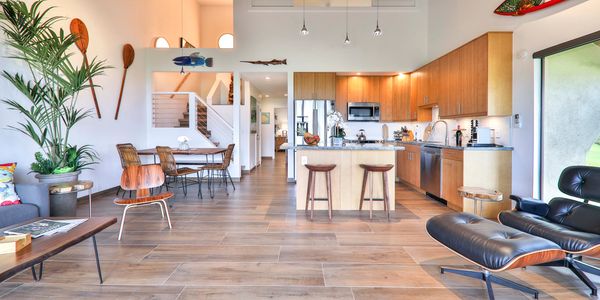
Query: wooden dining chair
222	170
129	157
141	179
170	169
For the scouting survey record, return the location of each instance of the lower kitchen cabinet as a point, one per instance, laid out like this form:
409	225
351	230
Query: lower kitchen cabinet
408	165
489	169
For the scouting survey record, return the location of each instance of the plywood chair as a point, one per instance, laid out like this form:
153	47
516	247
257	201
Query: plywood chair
142	179
129	157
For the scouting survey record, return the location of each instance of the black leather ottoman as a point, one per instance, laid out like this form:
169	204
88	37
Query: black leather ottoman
491	246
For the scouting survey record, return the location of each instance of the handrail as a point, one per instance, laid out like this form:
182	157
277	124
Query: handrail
198	99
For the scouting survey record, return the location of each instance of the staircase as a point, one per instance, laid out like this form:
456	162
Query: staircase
202	124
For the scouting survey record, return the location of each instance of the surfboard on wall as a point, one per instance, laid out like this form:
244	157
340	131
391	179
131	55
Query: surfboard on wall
523	7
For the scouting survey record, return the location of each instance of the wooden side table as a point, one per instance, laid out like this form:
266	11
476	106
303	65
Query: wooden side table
74	187
479	195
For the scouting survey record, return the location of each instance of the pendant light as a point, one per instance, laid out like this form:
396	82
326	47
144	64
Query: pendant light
377	32
304	30
347	40
182	72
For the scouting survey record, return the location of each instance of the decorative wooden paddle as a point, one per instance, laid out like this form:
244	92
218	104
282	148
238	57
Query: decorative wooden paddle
79	30
128	57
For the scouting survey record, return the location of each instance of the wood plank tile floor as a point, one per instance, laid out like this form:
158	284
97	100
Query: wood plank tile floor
253	244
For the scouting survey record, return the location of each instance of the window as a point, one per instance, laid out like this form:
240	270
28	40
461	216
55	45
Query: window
161	42
226	41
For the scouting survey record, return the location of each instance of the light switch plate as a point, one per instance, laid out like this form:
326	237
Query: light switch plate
517	121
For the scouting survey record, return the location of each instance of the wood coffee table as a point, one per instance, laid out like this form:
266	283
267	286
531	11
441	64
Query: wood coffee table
45	247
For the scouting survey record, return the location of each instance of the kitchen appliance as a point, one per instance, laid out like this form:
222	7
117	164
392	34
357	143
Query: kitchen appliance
362	137
431	170
482	137
363	112
311	116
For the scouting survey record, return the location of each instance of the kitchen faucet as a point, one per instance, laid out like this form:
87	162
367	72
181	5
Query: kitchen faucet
446	131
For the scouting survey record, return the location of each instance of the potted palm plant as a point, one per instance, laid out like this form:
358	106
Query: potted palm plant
50	85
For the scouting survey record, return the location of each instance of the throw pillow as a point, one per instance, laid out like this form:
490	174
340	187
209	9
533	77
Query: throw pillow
8	195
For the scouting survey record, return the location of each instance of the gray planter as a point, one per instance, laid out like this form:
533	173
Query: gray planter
61	205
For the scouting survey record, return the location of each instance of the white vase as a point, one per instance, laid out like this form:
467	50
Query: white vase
184	146
337	141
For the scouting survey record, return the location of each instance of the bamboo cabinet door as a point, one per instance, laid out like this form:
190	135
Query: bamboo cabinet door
452	179
324	86
386	96
304	86
454	84
371	89
480	67
444	86
433	83
341	95
355	89
468	70
401	98
415	167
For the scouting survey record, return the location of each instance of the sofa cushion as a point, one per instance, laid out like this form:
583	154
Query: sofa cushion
489	244
8	196
14	214
568	238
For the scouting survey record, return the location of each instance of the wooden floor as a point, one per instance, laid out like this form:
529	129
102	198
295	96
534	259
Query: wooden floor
254	245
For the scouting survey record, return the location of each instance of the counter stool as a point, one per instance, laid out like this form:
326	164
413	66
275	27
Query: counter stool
383	169
310	193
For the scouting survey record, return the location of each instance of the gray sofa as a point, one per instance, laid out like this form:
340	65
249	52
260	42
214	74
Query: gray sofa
35	203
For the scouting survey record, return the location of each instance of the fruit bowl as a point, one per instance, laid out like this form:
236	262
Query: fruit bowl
311	140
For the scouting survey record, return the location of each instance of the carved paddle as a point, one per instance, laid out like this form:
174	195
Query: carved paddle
128	57
79	30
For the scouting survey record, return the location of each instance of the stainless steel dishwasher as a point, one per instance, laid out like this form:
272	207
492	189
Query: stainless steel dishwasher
431	170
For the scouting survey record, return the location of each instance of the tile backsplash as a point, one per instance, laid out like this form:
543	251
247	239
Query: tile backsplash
374	131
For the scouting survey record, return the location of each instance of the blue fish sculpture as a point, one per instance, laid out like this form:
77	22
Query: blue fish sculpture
194	60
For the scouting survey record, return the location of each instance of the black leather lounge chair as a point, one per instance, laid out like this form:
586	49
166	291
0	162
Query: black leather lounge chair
574	225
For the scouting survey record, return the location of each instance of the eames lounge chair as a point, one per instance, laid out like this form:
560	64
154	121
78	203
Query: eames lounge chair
572	224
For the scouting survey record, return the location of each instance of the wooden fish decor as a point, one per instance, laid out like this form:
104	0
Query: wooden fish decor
523	7
267	63
193	60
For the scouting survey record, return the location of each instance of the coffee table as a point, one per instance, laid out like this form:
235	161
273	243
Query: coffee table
45	247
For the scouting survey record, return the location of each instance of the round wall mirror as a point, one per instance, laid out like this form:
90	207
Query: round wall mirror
161	42
226	41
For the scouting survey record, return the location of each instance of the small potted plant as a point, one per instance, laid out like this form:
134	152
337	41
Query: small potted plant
50	87
335	123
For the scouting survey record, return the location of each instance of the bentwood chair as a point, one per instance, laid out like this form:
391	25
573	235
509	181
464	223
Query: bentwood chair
129	157
170	169
222	171
142	179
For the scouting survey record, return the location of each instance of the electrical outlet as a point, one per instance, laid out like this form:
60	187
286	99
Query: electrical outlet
304	160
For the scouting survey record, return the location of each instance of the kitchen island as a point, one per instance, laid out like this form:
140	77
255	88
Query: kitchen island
347	177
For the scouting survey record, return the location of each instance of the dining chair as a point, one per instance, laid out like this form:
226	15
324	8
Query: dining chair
141	179
129	157
170	169
223	169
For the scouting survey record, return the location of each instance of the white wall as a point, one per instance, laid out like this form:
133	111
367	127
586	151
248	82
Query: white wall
268	105
214	21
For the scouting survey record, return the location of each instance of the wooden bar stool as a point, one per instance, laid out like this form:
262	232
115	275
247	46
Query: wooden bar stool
383	169
310	193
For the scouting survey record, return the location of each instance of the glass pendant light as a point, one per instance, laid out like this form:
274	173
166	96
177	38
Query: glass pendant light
347	40
304	30
377	32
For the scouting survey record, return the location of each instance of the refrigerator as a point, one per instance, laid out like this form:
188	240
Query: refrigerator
311	116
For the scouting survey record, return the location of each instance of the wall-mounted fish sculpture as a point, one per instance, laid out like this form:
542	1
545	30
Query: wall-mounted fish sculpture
193	60
267	63
523	7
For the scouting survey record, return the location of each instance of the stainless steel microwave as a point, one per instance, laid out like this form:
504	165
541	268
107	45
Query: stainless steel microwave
363	111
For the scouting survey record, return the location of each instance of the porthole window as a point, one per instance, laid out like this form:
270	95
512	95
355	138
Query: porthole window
161	42
226	41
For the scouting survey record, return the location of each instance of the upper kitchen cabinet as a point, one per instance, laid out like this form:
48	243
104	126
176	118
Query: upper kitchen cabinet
476	79
370	89
341	95
404	109
355	89
314	86
387	102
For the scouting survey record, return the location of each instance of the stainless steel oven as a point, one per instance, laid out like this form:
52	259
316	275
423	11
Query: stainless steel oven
363	111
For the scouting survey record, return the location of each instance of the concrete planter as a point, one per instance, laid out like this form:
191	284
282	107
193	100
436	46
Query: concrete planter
61	205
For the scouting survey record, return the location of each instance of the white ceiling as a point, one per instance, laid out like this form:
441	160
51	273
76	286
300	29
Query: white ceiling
216	2
276	87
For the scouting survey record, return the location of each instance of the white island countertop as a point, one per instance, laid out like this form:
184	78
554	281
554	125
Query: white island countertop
354	147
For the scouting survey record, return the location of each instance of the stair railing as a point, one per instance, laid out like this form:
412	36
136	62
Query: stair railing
221	131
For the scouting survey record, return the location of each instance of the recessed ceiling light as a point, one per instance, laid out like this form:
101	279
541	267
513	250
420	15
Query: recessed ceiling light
267	96
268	78
359	74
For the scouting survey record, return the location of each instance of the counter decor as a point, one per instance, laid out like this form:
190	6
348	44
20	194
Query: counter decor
335	123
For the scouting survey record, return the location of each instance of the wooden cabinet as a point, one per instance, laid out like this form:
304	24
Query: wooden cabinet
476	79
404	109
408	165
452	177
341	95
280	140
370	89
355	89
388	104
314	86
